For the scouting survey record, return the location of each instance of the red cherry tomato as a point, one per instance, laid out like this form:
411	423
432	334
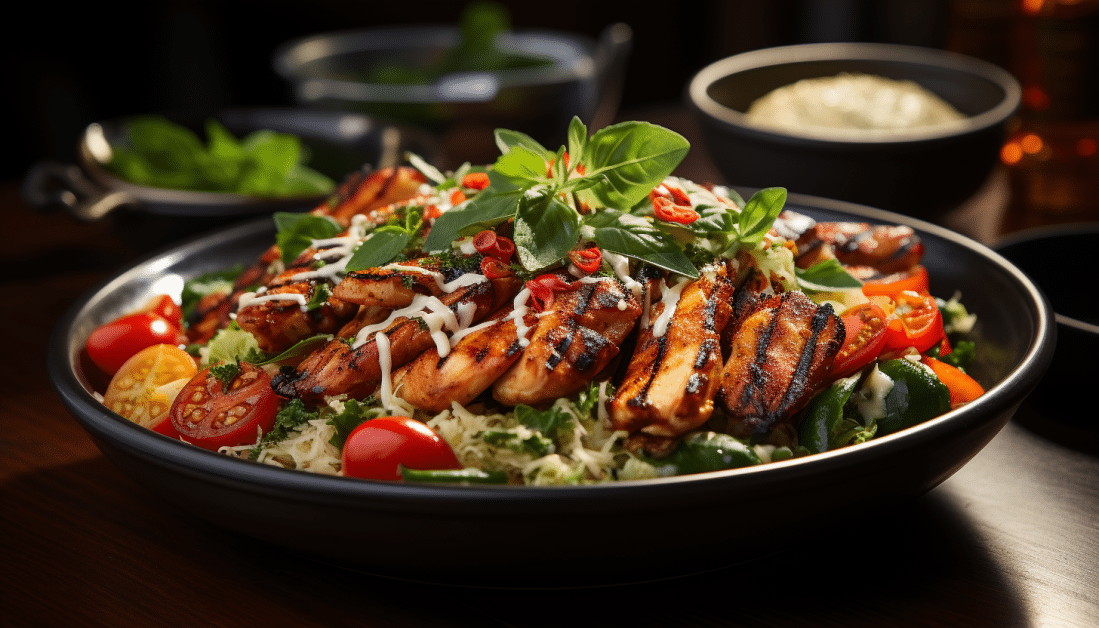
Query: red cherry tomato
917	322
144	388
110	345
914	279
165	306
378	448
206	414
865	330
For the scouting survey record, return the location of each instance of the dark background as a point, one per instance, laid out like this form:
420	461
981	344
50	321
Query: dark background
69	65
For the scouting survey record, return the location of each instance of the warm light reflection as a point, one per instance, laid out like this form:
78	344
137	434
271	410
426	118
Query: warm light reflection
1011	153
1031	144
1087	147
1032	7
1035	98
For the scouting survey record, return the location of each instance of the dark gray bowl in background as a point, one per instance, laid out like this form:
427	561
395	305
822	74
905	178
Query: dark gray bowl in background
582	77
568	536
921	175
1058	259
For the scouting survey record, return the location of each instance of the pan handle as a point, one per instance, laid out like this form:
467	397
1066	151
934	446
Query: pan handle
51	184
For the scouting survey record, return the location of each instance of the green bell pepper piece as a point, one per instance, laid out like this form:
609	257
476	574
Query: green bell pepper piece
917	396
707	451
823	424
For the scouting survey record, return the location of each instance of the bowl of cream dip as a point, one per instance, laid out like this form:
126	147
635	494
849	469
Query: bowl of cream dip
908	129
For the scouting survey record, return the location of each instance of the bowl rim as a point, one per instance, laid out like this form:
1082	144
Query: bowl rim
1049	232
73	389
573	56
698	87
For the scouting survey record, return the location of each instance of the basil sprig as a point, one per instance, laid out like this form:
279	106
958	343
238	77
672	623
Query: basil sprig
622	163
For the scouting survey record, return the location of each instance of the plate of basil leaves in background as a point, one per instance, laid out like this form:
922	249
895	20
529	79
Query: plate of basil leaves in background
162	177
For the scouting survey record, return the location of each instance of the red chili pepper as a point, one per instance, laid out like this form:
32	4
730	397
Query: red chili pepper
588	260
431	212
475	181
503	249
484	241
679	196
542	289
494	268
457	197
668	211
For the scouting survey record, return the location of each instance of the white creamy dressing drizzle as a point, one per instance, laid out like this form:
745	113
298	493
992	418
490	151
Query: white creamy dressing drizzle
853	103
620	265
670	298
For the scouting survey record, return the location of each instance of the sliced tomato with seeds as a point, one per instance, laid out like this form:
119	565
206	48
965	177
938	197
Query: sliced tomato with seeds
145	387
917	322
211	415
865	329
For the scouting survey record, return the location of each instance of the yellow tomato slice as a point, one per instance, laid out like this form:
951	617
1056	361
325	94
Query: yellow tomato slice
144	388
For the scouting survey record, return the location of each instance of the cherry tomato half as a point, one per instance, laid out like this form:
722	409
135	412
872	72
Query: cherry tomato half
144	388
206	414
917	322
378	448
865	329
110	345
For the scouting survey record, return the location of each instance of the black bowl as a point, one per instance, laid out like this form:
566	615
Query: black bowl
569	536
151	217
1054	257
921	174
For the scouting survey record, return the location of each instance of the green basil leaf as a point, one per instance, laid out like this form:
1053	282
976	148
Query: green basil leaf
759	213
431	172
545	231
275	153
522	167
578	141
296	232
546	422
826	276
380	247
507	141
299	351
712	220
491	207
635	157
633	236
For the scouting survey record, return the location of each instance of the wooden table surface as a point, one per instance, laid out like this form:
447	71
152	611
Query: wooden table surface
1010	540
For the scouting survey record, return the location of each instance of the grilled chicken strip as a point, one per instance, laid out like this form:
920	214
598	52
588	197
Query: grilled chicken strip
431	383
888	248
278	322
672	378
379	191
780	354
395	285
355	369
573	341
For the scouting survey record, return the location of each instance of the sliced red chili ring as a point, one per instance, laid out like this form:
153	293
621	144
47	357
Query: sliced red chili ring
542	289
668	211
475	181
484	241
494	268
587	260
503	249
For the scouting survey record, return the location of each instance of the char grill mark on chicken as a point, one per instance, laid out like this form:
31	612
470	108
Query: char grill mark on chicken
780	354
672	379
571	343
887	248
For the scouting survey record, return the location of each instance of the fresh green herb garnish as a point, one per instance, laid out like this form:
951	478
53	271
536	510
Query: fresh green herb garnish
203	285
826	276
354	414
296	232
290	418
225	373
164	154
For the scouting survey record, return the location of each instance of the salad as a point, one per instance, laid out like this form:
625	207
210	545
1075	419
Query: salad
558	317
